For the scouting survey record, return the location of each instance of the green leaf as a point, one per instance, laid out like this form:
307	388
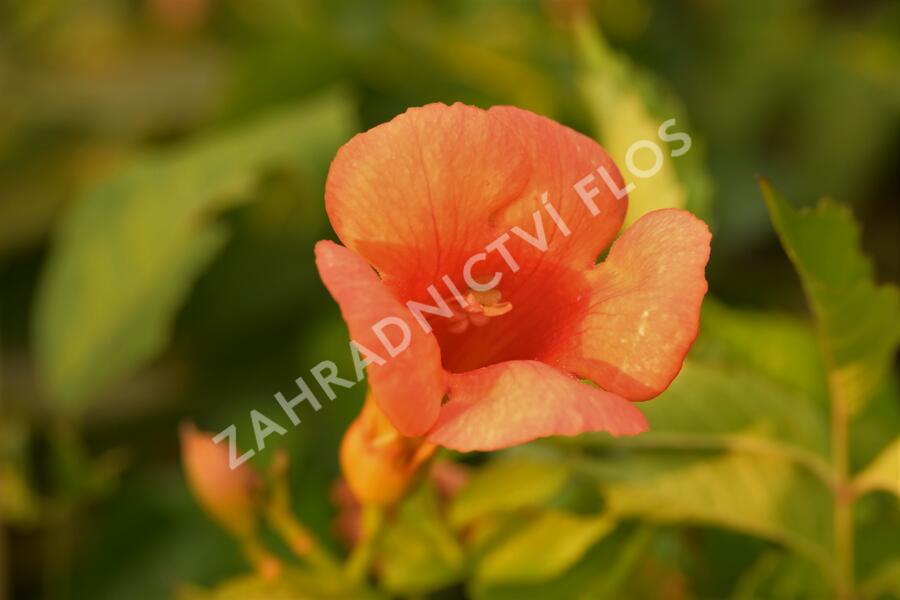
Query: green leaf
544	548
730	448
600	574
883	473
858	321
707	400
627	106
712	407
418	552
726	447
132	245
778	346
782	575
508	484
765	496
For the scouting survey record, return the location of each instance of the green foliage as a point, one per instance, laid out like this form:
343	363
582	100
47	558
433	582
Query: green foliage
779	346
132	245
508	485
714	434
725	490
293	584
858	321
543	548
730	404
600	574
419	552
739	417
779	574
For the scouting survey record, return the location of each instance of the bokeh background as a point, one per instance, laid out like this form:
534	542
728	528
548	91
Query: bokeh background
199	133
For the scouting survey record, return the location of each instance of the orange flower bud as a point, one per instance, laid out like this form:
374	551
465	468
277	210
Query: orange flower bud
229	496
379	463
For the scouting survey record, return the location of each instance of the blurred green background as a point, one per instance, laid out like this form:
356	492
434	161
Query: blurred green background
162	165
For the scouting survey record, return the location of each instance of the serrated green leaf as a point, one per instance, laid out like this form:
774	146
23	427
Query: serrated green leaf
132	245
858	321
627	106
544	548
883	473
418	552
765	496
508	484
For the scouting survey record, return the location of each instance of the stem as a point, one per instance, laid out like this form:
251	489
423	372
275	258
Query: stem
264	562
361	559
300	540
843	496
280	514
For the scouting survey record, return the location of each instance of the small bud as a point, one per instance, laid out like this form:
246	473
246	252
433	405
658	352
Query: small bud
229	496
378	463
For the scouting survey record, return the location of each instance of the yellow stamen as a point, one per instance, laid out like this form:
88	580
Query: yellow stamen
478	309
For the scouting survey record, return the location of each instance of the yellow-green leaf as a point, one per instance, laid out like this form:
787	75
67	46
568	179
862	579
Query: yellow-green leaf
707	400
779	346
131	247
716	407
418	552
601	574
626	106
765	496
883	473
508	484
544	548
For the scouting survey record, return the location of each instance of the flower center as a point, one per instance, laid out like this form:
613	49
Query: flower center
478	309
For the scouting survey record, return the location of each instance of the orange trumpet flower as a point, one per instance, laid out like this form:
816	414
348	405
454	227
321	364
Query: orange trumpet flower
473	236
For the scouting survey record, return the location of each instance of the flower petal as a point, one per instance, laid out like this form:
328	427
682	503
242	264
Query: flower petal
421	194
515	402
414	196
560	158
409	386
644	312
